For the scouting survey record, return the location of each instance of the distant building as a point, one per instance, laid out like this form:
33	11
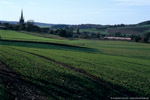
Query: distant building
21	22
117	38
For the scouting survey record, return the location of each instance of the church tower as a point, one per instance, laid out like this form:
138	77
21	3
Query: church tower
21	22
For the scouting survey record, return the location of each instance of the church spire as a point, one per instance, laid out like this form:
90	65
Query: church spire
22	18
22	14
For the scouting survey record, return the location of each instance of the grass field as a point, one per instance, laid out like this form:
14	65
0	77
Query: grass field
46	35
102	69
14	35
102	31
128	30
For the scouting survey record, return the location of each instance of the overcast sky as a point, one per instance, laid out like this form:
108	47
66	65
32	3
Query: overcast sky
77	11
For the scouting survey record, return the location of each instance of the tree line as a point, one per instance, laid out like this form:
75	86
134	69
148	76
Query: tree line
28	26
72	32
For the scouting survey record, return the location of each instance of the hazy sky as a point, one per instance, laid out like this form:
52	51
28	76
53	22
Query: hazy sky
77	11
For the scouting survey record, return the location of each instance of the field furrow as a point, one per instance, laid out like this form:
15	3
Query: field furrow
112	87
18	87
72	69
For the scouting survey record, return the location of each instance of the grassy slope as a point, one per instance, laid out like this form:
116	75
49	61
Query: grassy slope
46	35
122	63
139	29
103	31
14	35
106	31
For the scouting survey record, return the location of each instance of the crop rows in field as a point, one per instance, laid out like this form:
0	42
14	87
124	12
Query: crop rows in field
33	73
59	82
117	63
120	70
117	69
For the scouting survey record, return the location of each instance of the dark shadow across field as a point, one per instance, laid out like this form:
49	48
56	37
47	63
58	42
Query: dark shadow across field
75	87
64	85
45	45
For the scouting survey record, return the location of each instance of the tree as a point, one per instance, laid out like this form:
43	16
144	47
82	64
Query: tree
63	33
31	27
56	32
78	31
16	27
146	37
6	25
137	38
132	37
118	34
51	31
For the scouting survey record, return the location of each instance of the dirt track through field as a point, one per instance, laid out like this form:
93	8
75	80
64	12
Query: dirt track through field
114	88
18	88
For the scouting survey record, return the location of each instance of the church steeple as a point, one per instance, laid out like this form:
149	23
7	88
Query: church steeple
22	15
22	18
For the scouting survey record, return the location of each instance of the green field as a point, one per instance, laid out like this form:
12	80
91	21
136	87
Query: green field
102	31
14	35
102	69
127	30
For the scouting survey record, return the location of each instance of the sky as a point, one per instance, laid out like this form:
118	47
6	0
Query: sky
77	11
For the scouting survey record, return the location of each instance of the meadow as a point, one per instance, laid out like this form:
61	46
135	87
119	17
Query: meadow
100	69
102	31
27	36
